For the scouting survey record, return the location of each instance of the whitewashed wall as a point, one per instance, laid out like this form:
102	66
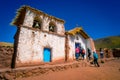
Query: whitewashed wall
90	44
72	41
29	18
31	44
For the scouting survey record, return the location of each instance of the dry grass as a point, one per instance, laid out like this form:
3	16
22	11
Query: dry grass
6	44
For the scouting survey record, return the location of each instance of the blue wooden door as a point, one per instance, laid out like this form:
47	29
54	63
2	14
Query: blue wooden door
47	55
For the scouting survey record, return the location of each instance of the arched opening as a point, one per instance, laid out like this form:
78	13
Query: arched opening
52	27
37	23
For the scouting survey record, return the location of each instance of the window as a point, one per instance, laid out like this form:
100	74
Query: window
37	22
52	27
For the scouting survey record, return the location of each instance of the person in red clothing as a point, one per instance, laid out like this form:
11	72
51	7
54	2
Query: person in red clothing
77	53
83	53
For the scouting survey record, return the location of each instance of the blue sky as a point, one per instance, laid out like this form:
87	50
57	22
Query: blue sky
99	18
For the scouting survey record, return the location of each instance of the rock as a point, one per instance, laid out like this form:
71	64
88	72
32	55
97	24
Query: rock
35	71
42	71
19	74
1	76
8	77
28	74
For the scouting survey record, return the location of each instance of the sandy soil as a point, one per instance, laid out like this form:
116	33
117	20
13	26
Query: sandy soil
110	70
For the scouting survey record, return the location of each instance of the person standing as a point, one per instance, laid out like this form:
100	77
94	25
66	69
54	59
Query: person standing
95	56
89	54
83	53
101	53
77	53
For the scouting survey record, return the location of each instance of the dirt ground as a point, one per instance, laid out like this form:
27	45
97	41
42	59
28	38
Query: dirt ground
110	70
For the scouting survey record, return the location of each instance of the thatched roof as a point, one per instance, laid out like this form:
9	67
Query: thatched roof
18	20
78	30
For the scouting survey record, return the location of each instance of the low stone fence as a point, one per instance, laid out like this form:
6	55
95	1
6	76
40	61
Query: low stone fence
107	53
116	53
110	53
12	74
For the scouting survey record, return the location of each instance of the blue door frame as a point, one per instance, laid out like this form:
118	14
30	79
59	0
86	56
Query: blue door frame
47	55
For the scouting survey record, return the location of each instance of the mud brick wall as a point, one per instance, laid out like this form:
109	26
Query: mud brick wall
107	53
6	53
116	53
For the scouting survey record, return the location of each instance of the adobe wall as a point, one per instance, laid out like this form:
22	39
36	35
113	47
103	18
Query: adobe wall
29	18
32	43
6	53
90	45
72	41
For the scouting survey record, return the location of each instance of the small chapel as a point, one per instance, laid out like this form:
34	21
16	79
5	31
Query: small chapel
41	39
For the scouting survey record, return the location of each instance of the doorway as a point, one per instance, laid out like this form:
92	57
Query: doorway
77	45
47	55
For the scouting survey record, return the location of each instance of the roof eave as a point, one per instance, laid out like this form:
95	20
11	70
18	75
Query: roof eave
78	31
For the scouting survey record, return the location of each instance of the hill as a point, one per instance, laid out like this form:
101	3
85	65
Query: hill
108	42
6	44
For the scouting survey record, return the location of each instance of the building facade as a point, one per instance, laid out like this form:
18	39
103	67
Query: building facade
77	37
41	38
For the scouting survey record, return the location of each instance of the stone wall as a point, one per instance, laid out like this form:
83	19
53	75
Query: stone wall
12	74
108	53
116	53
31	44
6	53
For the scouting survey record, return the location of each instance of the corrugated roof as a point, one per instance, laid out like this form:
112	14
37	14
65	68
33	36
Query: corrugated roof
78	30
18	20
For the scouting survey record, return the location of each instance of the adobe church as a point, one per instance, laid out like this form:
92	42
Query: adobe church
41	39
